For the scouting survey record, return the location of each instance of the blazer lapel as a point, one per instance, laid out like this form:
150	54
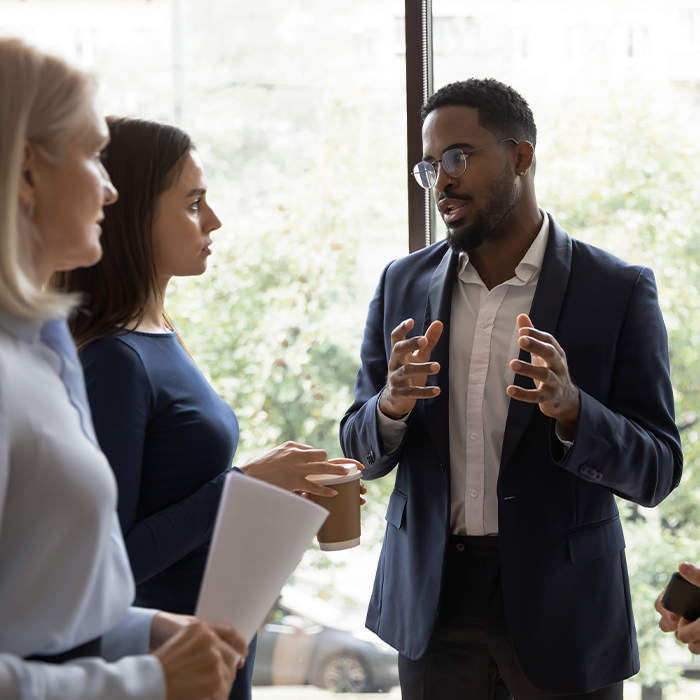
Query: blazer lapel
438	308
544	314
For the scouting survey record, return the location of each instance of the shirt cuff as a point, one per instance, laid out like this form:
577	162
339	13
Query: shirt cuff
131	678
566	444
391	431
131	636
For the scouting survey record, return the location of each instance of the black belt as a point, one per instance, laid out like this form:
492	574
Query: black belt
91	648
473	546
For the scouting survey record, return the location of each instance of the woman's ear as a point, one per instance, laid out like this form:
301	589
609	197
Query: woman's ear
28	177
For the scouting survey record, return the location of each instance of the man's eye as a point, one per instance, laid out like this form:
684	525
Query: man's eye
195	204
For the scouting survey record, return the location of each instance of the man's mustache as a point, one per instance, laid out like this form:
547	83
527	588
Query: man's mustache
448	195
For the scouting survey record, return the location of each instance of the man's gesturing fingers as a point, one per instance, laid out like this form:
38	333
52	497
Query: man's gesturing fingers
406	350
409	368
555	393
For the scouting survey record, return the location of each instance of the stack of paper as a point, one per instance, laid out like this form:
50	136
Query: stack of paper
260	536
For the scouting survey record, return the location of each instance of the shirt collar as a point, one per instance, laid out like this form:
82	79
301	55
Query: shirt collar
20	328
528	267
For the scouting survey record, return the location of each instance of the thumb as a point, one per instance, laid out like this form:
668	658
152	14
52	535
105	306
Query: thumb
690	572
433	333
524	321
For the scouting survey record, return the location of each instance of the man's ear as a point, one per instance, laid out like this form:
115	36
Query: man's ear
525	157
28	176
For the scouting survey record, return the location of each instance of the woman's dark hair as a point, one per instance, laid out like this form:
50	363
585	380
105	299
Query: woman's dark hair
143	159
502	110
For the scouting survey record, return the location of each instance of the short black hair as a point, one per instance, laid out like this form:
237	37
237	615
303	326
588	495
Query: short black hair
502	110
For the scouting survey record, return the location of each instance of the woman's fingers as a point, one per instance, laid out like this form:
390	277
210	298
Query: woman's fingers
231	636
197	663
347	460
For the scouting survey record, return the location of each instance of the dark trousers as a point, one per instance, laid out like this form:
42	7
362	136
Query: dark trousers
470	656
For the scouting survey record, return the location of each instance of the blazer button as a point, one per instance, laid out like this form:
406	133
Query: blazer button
459	547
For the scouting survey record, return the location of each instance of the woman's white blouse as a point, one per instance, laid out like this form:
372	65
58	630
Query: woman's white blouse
64	573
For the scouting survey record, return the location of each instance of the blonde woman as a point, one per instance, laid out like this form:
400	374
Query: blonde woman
65	581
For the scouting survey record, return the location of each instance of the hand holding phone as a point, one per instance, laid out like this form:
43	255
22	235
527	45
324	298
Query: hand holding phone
682	598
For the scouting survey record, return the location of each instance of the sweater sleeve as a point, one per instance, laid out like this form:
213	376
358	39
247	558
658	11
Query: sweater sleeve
122	403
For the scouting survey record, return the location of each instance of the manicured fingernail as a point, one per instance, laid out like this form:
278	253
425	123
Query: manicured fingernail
516	365
334	492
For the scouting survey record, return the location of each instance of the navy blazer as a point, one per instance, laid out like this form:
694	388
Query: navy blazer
565	584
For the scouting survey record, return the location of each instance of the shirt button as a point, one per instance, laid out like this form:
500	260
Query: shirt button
484	324
473	493
474	436
475	380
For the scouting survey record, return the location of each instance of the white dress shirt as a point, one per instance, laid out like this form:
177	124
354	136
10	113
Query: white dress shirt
483	341
64	573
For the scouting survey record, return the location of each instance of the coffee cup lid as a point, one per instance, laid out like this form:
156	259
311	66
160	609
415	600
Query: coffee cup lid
328	479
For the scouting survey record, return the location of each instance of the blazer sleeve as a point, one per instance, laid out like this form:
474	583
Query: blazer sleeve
360	437
631	443
121	399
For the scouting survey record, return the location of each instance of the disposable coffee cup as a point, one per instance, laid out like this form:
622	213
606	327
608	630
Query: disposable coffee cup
341	530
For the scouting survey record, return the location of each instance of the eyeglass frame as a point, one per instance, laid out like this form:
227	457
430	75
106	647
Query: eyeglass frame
466	155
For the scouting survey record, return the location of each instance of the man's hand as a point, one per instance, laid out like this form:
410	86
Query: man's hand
554	391
686	632
409	367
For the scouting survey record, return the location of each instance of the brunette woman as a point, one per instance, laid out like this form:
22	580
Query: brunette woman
169	438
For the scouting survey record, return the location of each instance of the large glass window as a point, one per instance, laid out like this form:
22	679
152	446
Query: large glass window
298	111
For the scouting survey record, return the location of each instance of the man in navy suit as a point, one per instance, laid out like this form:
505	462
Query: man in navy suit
519	379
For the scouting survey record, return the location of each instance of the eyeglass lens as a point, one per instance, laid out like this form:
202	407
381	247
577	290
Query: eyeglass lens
453	161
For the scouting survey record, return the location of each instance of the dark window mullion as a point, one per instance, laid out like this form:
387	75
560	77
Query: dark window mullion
419	86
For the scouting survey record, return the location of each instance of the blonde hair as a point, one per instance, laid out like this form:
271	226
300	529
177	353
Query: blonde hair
43	101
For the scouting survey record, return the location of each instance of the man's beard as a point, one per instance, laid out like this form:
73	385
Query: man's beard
504	196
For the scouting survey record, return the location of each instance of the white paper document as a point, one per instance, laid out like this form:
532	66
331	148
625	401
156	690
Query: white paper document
260	536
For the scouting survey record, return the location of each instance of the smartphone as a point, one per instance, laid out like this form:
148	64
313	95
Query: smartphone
682	598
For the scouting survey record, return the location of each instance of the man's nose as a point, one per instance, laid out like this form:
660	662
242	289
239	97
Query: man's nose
442	179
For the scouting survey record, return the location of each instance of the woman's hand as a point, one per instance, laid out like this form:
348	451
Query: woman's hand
363	491
200	661
165	625
288	465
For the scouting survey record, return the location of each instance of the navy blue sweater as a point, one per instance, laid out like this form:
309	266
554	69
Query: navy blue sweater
170	439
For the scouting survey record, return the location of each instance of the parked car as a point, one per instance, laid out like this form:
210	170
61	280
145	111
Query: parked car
308	641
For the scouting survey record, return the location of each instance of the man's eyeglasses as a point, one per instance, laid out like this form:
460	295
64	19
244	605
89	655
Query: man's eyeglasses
454	163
